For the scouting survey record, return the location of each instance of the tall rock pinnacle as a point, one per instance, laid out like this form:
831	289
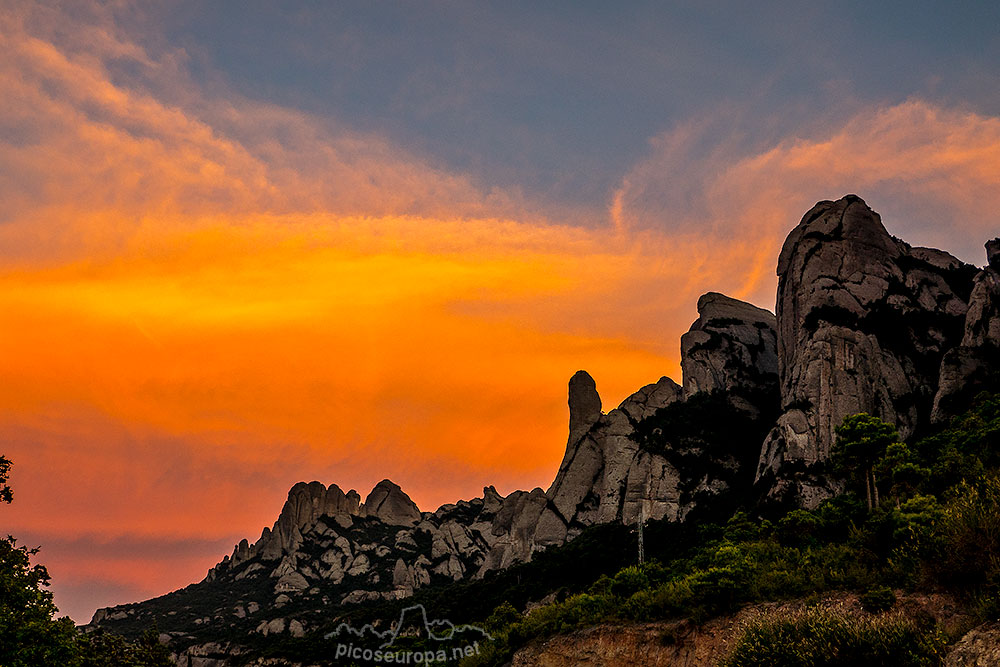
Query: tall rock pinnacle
584	405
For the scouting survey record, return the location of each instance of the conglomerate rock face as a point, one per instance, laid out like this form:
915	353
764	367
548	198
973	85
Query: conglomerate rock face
864	321
733	348
974	365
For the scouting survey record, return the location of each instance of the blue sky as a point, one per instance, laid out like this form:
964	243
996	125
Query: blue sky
560	98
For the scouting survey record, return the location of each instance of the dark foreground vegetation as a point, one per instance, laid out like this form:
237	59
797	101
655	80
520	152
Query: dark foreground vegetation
920	518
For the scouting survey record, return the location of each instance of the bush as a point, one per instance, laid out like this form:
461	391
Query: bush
502	618
726	582
799	527
878	600
969	538
628	581
827	639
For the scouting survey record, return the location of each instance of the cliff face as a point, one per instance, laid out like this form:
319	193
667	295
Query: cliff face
330	548
973	365
864	321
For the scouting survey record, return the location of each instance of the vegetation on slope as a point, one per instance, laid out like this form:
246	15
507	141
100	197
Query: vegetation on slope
934	523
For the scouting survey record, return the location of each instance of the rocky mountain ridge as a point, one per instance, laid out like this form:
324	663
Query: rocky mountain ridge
864	323
328	548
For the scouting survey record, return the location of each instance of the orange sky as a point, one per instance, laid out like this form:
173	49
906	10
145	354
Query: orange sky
197	315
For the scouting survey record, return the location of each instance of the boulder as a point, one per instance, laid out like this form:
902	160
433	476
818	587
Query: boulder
980	647
388	503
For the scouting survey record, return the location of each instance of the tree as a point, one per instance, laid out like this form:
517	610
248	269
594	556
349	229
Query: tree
29	635
6	495
862	441
902	467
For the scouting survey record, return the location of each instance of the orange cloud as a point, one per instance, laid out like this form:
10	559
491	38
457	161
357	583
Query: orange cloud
207	299
930	172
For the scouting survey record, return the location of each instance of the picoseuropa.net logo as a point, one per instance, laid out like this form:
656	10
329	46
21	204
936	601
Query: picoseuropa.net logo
412	640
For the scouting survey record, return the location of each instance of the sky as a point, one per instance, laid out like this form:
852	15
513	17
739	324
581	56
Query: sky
244	244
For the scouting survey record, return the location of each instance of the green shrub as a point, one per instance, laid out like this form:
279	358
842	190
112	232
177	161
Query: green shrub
726	582
879	599
826	639
969	538
502	618
799	527
629	581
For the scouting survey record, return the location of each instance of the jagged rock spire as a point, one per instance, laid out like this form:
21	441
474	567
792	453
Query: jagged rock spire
584	405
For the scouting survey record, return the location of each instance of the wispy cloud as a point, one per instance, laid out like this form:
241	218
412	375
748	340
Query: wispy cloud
208	297
930	171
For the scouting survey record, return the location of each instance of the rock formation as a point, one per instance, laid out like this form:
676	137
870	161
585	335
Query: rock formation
973	366
863	323
732	347
608	474
328	547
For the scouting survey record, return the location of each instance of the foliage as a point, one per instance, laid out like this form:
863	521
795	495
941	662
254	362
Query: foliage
968	550
102	649
6	494
860	450
878	599
28	634
964	451
827	639
502	618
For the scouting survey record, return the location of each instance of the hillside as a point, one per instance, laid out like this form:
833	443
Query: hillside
734	473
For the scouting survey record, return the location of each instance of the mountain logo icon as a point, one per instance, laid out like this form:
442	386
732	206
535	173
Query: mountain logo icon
413	623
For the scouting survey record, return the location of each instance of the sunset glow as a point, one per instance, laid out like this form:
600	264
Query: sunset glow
209	296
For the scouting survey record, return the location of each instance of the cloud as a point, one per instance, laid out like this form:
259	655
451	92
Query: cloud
208	298
117	130
930	172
